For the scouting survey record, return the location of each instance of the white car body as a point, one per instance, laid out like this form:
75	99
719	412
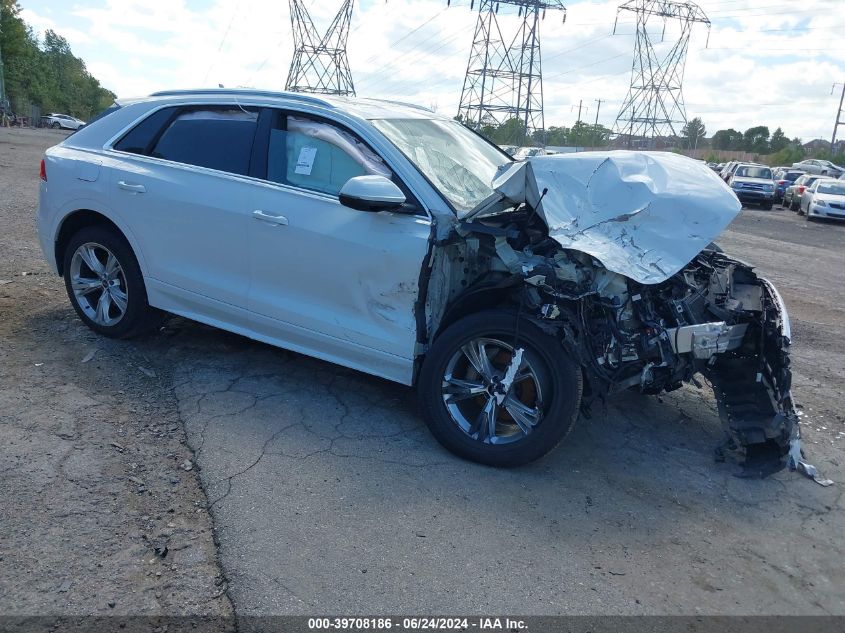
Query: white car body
381	271
63	121
824	204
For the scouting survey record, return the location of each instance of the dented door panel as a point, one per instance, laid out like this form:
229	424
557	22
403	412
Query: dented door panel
350	275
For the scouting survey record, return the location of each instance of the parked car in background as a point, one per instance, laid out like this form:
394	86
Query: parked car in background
822	167
784	177
394	241
753	184
510	149
527	152
793	193
727	169
825	198
63	121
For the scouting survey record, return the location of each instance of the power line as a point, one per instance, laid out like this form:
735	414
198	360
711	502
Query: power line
222	41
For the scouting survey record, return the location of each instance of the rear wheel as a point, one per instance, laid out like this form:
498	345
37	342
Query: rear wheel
55	125
499	392
766	206
105	285
795	205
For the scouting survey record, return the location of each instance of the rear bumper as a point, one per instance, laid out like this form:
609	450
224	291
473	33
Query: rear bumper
46	229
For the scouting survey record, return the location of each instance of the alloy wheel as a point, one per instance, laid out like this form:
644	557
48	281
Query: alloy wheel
99	284
492	391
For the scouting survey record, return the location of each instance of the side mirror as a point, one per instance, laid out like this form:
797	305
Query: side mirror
371	193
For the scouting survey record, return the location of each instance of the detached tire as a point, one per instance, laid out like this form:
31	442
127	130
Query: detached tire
105	285
466	404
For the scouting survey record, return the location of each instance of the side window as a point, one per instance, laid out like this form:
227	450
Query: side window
139	139
214	137
319	156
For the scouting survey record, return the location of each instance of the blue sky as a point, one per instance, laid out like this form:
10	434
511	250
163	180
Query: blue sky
768	62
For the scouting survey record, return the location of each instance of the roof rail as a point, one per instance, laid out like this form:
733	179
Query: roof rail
243	91
401	103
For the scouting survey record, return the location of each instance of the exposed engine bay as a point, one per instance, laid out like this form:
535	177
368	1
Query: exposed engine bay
713	319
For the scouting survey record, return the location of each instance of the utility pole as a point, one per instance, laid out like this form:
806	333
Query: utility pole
598	109
838	115
654	105
4	101
580	102
320	64
504	81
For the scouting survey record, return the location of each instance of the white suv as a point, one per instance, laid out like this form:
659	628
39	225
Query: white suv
382	237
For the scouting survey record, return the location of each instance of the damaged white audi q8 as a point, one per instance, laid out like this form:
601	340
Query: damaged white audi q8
387	239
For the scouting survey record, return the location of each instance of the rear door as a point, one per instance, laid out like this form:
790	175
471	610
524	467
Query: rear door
337	282
179	182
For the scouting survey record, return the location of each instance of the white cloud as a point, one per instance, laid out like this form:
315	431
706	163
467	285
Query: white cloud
769	62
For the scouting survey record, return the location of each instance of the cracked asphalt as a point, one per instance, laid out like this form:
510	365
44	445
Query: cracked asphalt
329	496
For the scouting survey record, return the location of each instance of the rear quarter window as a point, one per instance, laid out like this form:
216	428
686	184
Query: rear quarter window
140	139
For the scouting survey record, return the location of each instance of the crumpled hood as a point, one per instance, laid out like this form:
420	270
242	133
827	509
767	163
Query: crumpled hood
644	215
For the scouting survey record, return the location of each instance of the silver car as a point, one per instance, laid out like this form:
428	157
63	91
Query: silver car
818	166
825	198
388	239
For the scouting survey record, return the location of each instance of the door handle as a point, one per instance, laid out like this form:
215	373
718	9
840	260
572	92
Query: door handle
268	217
129	187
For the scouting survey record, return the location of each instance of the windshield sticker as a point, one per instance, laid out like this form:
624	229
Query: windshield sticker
305	163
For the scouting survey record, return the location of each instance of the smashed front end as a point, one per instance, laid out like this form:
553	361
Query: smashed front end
612	254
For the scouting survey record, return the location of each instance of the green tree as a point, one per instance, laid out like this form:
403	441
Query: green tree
729	139
756	139
45	74
778	140
588	135
693	133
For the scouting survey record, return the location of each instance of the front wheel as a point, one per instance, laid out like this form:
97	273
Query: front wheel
766	206
497	390
105	285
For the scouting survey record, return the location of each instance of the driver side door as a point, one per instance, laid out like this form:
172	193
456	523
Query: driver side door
331	281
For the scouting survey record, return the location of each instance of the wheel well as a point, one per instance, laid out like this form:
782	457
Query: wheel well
73	223
474	300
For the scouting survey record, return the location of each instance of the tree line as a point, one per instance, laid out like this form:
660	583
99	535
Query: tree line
45	73
776	146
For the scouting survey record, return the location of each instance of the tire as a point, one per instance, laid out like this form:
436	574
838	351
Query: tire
55	125
794	206
547	396
125	283
766	206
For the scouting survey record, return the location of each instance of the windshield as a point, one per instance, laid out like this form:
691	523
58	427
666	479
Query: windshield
748	171
835	187
458	162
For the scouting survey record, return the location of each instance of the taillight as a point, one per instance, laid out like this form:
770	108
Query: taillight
781	182
43	173
801	189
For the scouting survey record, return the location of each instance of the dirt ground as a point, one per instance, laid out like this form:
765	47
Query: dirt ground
99	513
316	489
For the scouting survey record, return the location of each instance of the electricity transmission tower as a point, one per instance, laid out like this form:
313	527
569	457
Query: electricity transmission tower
654	105
320	64
503	80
